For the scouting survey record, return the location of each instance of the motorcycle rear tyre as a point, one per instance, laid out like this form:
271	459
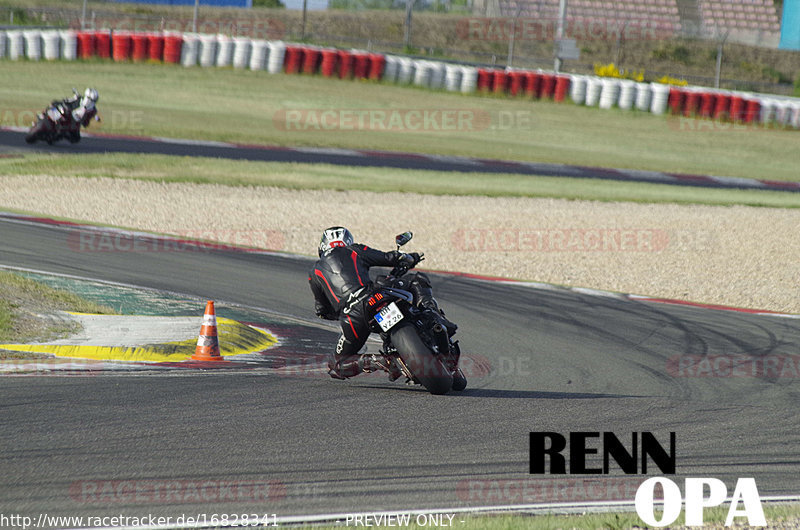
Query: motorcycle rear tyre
421	361
459	381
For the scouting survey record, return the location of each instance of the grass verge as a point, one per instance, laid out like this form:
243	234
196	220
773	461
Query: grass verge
26	306
165	168
254	107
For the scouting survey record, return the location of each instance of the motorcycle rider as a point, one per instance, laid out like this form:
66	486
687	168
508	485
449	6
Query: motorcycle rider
341	285
79	109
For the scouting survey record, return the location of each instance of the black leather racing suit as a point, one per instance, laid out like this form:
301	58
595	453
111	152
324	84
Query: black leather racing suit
341	284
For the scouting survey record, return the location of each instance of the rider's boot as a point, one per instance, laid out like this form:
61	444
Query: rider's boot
354	365
370	362
344	367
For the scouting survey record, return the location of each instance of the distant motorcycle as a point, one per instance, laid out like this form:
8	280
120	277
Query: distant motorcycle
415	344
63	120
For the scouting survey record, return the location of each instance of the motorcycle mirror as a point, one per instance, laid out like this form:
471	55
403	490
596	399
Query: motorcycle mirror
402	239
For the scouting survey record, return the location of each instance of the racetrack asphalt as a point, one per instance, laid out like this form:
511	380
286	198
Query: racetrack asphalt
559	361
12	140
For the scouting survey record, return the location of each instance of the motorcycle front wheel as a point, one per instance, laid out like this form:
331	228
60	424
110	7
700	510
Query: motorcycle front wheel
36	132
421	361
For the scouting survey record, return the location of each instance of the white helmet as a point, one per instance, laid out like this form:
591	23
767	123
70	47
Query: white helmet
92	94
335	236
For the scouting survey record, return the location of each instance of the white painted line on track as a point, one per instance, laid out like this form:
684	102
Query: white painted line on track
451	159
329	151
598	292
739	181
182	141
650	176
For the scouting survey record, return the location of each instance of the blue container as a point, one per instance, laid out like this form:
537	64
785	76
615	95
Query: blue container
790	25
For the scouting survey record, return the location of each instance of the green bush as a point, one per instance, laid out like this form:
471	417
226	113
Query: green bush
268	3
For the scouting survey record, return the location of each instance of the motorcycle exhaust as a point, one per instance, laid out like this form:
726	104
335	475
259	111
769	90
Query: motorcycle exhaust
441	338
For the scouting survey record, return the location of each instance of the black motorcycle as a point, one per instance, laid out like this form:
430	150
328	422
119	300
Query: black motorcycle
415	344
56	122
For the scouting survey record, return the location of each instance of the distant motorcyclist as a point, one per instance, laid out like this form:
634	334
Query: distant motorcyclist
64	118
82	110
341	285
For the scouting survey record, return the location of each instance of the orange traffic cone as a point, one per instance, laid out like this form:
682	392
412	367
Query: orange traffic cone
208	343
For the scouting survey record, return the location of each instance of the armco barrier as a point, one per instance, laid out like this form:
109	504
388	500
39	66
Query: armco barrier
190	49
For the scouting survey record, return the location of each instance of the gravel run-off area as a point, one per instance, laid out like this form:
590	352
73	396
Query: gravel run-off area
735	255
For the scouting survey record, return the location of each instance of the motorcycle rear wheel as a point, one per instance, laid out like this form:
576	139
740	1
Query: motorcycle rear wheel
421	361
459	381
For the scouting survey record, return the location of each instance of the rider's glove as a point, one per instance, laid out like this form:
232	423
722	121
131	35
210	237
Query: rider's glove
411	259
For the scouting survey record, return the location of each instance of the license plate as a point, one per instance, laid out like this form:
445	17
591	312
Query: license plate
389	316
